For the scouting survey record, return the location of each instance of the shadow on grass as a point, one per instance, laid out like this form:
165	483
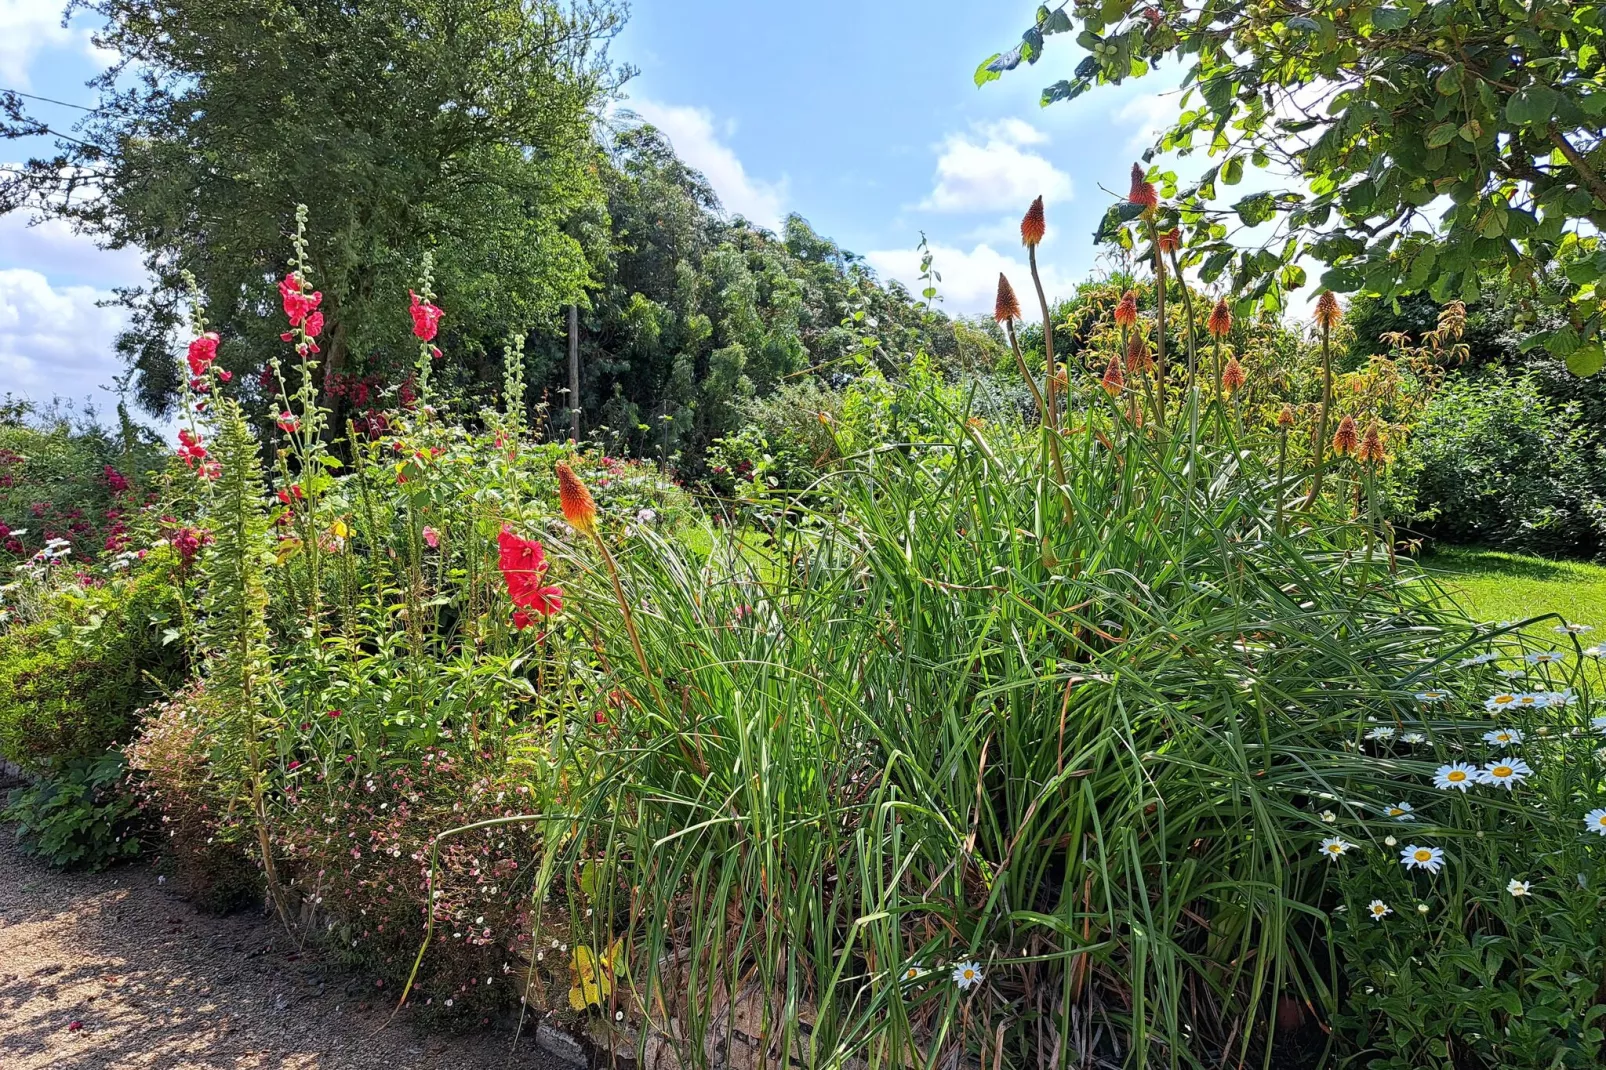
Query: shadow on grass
1496	563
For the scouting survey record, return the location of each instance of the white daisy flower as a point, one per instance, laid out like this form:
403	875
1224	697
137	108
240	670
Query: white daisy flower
1518	888
1504	700
1504	772
1332	847
1414	737
1428	858
1432	696
1532	700
1513	674
1329	817
1596	651
1382	731
1545	657
912	971
1400	811
1595	821
1503	736
1573	629
1458	775
1476	659
967	974
1377	910
1560	698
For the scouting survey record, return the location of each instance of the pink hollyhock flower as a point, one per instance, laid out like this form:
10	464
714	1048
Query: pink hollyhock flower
288	423
313	325
426	318
225	376
297	305
432	537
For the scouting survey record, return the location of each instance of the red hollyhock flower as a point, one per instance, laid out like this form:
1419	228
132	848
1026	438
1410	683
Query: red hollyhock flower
288	423
521	620
203	351
426	318
523	563
298	305
313	325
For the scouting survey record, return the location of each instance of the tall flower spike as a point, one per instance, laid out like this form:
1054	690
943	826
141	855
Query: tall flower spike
1033	226
1233	377
1007	306
1347	438
1285	419
1370	450
1114	382
579	508
1138	358
1220	321
1126	310
1142	192
1327	311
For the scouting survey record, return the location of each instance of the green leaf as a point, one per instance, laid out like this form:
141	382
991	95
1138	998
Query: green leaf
1587	359
987	72
1442	134
1232	172
1534	105
1391	18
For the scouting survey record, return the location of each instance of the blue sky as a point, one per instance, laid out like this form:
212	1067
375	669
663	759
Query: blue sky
861	116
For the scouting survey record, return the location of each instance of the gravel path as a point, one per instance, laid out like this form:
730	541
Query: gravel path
108	971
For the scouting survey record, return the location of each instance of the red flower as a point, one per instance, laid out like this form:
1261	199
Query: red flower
334	713
432	538
1142	192
523	563
288	423
203	351
295	765
294	491
225	375
521	620
298	305
426	317
313	325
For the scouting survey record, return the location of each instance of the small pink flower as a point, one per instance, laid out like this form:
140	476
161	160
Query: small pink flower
432	537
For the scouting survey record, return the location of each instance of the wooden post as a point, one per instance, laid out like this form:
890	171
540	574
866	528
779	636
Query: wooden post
574	374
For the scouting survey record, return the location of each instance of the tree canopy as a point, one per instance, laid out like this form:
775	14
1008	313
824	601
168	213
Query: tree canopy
462	127
1419	139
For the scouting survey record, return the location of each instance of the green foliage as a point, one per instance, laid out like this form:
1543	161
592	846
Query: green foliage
1466	971
78	817
72	679
1494	461
63	476
1382	112
403	125
1497	585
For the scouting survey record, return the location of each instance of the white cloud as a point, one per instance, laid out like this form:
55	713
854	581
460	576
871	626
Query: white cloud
693	133
52	248
970	279
26	28
1147	116
56	342
991	169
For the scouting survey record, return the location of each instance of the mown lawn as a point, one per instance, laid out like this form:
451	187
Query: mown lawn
1494	586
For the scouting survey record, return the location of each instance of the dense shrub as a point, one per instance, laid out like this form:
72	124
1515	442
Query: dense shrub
79	817
1493	460
72	678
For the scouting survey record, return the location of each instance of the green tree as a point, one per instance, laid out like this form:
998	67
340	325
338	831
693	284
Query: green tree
1421	138
462	126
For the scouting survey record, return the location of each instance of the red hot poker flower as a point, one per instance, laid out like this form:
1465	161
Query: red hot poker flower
1220	321
1126	310
1142	191
1033	226
426	318
1007	307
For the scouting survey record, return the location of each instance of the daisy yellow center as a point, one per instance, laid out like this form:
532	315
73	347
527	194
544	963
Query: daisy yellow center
1336	848
1395	811
1501	770
970	974
1379	909
1422	855
1505	698
1602	821
1455	776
